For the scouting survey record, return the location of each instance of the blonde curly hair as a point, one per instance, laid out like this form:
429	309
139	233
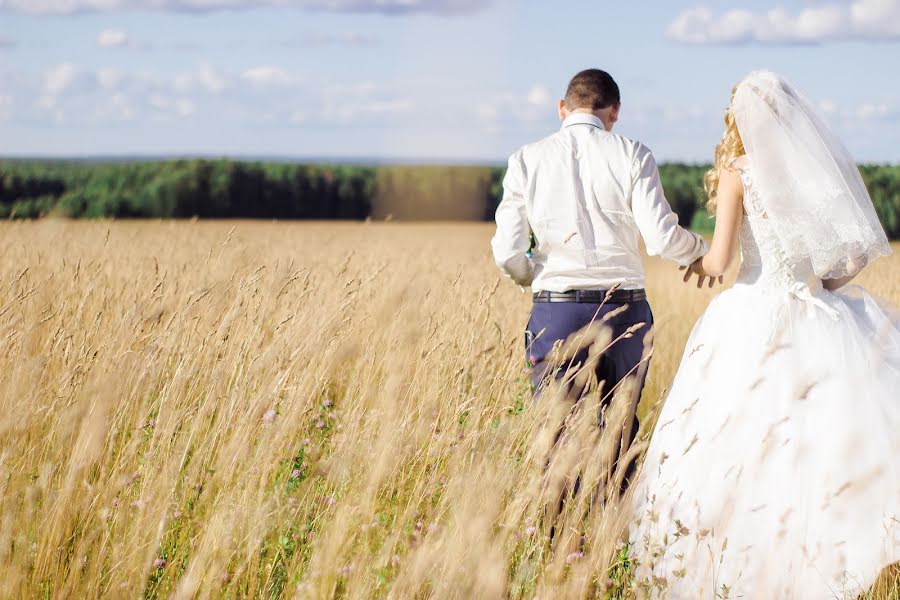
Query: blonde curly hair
730	148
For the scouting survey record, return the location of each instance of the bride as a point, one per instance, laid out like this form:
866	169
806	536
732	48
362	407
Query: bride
773	469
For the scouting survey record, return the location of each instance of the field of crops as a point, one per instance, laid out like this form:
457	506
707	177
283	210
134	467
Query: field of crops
317	410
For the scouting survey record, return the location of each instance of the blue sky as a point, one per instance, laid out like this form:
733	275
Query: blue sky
462	80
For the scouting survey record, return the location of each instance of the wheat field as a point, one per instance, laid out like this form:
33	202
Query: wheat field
318	410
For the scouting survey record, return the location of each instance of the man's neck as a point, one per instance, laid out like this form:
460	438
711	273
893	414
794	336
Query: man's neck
589	112
584	118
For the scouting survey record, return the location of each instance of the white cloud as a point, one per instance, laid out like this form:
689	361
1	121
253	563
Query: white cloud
184	108
388	106
116	38
109	78
350	111
488	112
56	7
268	75
121	108
828	107
211	79
59	79
507	107
168	106
873	110
206	78
259	96
362	88
319	40
68	93
112	38
539	96
838	21
6	104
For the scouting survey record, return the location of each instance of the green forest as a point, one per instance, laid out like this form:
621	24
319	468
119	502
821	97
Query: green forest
234	189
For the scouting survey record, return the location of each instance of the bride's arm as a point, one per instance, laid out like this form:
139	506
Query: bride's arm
854	266
834	284
729	213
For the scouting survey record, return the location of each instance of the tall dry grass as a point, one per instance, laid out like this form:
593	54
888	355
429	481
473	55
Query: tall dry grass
312	411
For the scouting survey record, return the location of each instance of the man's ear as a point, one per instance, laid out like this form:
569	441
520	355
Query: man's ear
614	112
563	111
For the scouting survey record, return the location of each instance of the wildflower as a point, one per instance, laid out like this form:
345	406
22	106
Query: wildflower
395	560
306	441
327	402
320	424
295	474
159	563
115	502
573	557
269	417
345	571
332	415
177	514
529	531
139	503
151	424
329	500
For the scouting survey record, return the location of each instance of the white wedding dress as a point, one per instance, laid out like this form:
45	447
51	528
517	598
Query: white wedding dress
773	470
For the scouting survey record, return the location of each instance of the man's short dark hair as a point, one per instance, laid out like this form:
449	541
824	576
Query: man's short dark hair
593	89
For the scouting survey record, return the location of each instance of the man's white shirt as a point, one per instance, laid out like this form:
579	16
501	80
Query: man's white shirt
588	195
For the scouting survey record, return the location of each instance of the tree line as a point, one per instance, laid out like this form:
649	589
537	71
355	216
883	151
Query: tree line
236	189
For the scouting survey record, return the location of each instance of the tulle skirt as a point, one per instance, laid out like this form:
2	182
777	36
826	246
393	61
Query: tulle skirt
772	471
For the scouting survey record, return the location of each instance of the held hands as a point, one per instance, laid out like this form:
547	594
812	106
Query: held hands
697	267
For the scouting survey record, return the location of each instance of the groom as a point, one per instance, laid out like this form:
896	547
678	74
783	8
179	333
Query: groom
587	195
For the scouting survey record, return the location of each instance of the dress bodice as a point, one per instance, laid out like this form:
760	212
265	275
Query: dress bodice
763	261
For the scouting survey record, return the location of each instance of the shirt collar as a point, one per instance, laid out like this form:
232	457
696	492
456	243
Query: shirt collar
583	119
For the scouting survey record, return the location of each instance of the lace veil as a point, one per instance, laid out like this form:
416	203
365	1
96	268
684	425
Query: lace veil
807	182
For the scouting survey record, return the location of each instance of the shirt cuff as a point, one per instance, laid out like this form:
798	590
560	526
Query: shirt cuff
701	251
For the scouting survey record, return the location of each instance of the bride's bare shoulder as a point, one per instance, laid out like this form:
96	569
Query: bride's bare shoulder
740	162
731	186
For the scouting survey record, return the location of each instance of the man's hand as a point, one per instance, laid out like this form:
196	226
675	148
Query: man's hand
697	267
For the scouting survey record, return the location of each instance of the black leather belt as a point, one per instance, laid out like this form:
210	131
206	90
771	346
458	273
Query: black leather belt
595	296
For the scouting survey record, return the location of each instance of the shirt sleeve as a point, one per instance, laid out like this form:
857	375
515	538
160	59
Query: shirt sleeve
513	236
656	220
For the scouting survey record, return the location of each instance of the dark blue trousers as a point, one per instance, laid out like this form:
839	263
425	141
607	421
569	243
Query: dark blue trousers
554	321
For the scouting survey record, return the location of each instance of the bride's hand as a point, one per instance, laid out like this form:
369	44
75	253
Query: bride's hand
697	267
